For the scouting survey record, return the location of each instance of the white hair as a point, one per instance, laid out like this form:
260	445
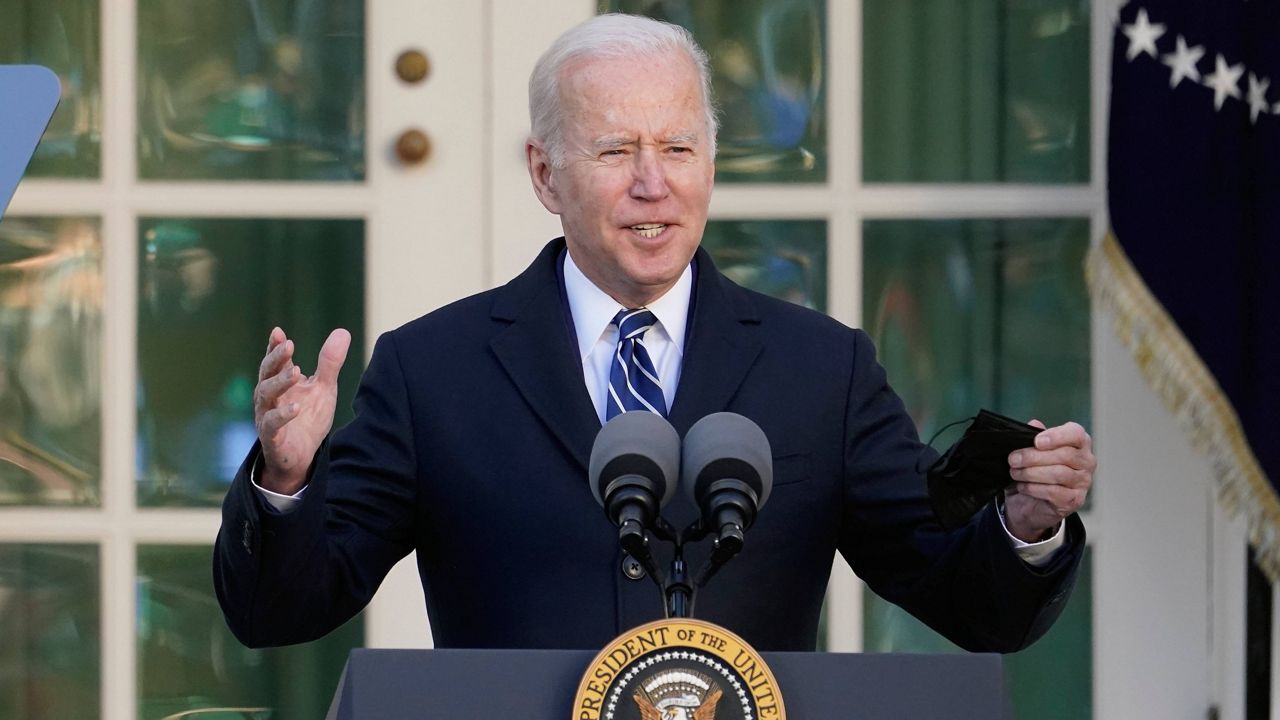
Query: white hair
611	35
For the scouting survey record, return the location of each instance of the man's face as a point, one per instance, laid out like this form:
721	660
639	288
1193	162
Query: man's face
633	194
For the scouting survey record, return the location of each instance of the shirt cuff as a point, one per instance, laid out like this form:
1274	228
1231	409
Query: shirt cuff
276	502
1037	554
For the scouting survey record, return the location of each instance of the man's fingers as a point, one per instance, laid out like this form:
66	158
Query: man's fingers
332	354
1069	435
270	390
279	358
1052	475
1063	500
275	419
1072	457
276	337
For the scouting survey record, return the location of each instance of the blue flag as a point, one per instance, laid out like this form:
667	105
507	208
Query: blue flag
28	96
1191	266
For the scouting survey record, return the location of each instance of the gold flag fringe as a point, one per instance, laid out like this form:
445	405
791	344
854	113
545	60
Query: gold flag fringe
1191	393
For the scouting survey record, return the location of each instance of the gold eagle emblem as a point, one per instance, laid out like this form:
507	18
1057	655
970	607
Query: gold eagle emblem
678	695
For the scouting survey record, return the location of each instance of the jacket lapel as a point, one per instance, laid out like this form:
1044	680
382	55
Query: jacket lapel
541	357
721	346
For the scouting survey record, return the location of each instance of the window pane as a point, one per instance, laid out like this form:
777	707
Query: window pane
975	91
260	91
783	258
768	63
1051	680
188	659
62	35
49	622
970	314
210	292
50	361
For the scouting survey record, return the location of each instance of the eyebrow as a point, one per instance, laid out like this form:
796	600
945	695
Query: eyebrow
610	142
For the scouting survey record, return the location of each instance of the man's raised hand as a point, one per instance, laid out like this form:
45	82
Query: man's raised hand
293	412
1051	480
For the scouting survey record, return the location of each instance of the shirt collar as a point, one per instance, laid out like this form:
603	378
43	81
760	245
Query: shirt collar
592	309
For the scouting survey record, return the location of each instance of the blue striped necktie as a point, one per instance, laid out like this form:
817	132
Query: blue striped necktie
633	380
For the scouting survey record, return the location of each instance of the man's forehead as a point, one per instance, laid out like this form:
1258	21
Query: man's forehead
611	95
579	74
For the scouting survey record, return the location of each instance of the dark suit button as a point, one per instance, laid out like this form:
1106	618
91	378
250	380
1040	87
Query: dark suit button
632	568
246	538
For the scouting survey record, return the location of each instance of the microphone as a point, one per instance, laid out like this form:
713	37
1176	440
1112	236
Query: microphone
633	471
728	473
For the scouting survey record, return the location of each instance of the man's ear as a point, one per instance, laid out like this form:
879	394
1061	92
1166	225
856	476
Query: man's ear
542	173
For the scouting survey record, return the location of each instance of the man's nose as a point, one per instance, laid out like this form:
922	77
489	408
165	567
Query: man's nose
650	181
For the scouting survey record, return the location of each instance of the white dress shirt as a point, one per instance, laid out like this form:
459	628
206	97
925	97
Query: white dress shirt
593	312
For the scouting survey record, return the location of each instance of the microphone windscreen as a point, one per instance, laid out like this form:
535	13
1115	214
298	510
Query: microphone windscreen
640	443
724	445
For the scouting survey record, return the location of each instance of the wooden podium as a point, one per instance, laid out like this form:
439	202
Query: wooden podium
540	684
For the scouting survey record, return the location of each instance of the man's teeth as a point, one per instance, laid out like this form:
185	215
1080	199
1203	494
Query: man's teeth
649	230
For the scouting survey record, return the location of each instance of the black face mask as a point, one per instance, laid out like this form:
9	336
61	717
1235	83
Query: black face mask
976	468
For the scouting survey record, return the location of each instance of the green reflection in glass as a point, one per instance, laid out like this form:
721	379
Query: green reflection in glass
209	293
254	90
783	258
975	91
768	60
1053	679
970	314
188	659
49	622
50	361
62	35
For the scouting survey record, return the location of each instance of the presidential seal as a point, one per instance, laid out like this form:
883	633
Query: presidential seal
678	669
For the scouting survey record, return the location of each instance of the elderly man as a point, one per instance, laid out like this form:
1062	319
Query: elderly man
474	423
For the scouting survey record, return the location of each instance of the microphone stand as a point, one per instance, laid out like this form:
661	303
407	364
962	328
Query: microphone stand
678	591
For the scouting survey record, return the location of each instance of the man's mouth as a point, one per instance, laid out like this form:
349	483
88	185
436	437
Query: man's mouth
649	230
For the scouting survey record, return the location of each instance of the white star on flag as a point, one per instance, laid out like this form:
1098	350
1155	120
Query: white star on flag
1183	62
1258	97
1225	81
1142	36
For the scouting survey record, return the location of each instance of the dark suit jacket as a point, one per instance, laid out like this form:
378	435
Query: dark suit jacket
470	444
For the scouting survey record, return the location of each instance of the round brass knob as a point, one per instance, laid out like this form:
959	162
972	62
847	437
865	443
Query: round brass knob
412	66
413	146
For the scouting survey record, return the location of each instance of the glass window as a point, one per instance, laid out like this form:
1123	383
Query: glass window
50	361
1052	679
251	91
188	659
210	290
62	35
768	60
970	314
975	91
987	313
783	258
50	622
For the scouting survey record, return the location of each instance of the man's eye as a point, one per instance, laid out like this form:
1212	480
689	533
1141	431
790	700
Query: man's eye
613	152
680	149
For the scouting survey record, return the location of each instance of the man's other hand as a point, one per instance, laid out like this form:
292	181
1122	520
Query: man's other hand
1052	480
293	412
